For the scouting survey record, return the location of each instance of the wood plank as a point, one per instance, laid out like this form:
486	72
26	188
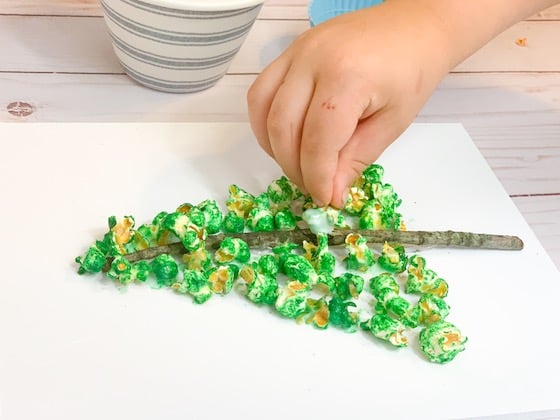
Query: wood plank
513	119
104	98
51	7
552	13
273	9
42	44
503	54
543	215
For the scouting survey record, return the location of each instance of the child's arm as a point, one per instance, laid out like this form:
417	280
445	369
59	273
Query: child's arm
346	89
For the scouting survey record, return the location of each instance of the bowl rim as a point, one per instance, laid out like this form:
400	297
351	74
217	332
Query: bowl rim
205	5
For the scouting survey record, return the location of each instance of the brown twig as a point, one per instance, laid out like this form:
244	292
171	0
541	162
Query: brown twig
445	238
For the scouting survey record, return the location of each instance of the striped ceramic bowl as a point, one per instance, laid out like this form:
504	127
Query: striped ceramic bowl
178	45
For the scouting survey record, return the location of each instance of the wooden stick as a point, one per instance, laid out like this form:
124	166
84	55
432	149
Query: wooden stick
447	238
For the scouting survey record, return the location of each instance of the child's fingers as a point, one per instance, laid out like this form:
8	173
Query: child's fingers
285	121
331	119
260	96
371	138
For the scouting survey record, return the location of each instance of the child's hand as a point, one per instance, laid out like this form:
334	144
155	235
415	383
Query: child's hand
344	91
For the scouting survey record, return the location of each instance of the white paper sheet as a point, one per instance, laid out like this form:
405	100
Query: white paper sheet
79	347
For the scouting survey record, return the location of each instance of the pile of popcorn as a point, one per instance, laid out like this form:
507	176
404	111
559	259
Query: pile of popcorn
308	281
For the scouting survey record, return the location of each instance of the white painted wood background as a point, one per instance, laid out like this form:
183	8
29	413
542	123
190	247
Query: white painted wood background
56	56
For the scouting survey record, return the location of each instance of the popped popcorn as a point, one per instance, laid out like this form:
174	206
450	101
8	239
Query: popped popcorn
441	342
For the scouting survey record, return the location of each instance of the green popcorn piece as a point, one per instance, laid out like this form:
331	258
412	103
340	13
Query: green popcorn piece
373	174
430	283
379	308
120	234
194	238
441	342
198	260
357	198
121	270
112	222
196	284
393	258
141	270
240	201
103	245
338	218
268	264
177	223
318	255
349	286
386	328
422	280
142	238
196	216
341	317
107	245
360	257
408	314
296	267
232	250
260	219
385	296
371	216
327	282
184	208
411	318
92	262
282	251
190	234
283	191
292	299
319	314
386	195
261	288
285	220
125	272
264	290
159	230
221	278
325	263
233	223
380	211
285	248
381	282
165	269
433	309
262	200
392	220
213	217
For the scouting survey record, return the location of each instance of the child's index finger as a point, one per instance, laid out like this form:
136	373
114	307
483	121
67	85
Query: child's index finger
330	122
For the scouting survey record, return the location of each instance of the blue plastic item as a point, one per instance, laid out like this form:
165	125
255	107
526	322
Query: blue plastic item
322	10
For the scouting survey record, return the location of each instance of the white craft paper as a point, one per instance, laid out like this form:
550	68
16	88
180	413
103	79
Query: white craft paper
78	347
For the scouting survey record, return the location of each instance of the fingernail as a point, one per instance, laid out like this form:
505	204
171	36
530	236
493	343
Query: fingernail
344	196
319	203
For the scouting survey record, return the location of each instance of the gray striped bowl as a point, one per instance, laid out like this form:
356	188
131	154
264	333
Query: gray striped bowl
178	45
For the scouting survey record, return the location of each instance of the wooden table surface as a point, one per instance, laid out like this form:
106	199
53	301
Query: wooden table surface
57	65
